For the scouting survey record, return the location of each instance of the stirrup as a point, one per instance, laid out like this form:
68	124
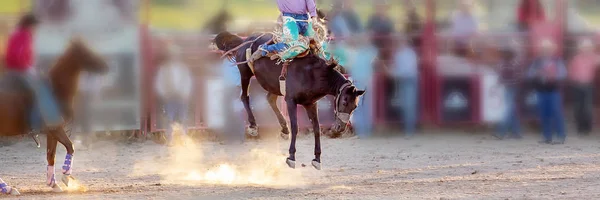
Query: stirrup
282	85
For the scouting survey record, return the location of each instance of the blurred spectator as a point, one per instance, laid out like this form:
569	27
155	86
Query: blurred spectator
343	19
361	71
218	23
338	25
232	106
413	23
510	71
530	12
406	70
582	71
464	26
381	28
547	72
174	86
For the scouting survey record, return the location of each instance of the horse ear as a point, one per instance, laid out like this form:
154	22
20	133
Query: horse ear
360	92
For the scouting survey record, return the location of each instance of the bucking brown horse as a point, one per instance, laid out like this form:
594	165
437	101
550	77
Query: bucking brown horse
16	102
309	79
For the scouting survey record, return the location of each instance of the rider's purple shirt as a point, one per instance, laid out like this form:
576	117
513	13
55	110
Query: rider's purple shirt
298	7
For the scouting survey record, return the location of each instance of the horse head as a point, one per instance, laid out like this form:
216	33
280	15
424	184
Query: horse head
64	75
84	57
346	101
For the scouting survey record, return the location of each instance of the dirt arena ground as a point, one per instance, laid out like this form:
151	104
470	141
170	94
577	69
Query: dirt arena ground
431	166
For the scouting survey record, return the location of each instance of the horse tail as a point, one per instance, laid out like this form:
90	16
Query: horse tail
226	41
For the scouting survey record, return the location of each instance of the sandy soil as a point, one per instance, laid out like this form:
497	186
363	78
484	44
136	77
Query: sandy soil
432	166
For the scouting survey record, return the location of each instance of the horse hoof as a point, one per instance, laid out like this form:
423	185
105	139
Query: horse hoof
252	131
14	192
291	163
66	179
56	188
316	164
284	136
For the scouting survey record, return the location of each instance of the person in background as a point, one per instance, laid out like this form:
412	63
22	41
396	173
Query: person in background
381	28
530	12
218	23
174	86
464	26
19	62
406	70
233	108
510	71
413	24
338	24
361	71
582	71
547	73
344	9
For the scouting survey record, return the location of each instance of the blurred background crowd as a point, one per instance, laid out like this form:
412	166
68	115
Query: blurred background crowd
423	62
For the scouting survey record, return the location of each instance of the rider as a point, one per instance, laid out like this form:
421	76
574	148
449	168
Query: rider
19	60
298	17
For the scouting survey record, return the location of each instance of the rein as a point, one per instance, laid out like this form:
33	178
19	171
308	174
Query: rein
344	117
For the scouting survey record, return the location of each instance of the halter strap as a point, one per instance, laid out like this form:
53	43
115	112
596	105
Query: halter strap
344	117
337	97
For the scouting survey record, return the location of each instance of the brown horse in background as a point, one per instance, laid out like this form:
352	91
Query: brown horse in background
16	101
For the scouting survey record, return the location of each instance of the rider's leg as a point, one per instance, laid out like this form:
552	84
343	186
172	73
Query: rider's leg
45	101
291	36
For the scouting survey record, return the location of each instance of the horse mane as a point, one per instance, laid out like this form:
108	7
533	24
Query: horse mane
226	41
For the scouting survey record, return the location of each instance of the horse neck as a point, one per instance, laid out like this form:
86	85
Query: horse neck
337	80
64	77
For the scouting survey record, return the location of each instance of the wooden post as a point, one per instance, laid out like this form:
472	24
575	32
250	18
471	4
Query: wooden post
148	120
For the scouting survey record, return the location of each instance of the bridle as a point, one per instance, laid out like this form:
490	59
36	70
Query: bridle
342	116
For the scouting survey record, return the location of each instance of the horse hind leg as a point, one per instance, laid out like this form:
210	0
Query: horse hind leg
272	99
67	168
245	97
51	143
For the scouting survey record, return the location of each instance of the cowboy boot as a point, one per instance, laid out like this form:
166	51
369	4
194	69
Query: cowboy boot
256	55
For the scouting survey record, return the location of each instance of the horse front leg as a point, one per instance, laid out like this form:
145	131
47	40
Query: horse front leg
313	115
291	106
272	99
5	189
245	97
51	143
67	169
